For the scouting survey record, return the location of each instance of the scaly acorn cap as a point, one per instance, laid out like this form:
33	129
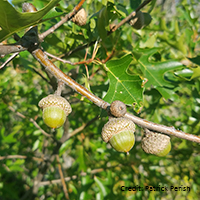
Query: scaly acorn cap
55	100
156	143
80	18
119	132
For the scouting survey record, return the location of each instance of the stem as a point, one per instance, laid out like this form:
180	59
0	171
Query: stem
62	21
162	129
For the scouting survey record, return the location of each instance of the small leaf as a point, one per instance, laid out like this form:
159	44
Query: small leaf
123	87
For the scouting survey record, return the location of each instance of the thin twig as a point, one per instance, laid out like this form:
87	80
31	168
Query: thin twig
60	59
79	129
125	20
11	48
59	88
9	60
62	178
62	21
132	15
31	120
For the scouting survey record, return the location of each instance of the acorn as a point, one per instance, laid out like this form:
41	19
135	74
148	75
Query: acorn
156	143
119	132
80	18
55	110
117	108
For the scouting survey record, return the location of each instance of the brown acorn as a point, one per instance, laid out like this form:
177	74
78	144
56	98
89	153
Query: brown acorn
156	143
55	110
119	132
117	108
80	18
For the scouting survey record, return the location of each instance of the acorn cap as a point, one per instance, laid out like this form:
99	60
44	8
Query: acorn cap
155	143
80	18
55	100
116	125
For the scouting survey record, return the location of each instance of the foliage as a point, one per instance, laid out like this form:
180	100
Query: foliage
157	71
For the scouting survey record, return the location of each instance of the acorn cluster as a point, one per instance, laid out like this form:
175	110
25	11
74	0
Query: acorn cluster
118	131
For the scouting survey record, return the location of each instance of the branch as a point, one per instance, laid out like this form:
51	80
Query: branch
125	20
62	178
11	48
31	120
79	129
162	129
9	59
131	16
61	76
62	21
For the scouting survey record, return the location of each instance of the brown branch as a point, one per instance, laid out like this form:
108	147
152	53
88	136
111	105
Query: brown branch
162	129
61	76
132	15
9	60
57	58
79	129
11	48
62	21
62	178
125	20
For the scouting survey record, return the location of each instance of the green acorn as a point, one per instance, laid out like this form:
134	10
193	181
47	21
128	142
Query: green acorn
156	143
55	110
119	132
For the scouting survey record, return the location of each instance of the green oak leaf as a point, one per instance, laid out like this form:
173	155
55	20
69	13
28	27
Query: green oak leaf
12	21
123	86
155	71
